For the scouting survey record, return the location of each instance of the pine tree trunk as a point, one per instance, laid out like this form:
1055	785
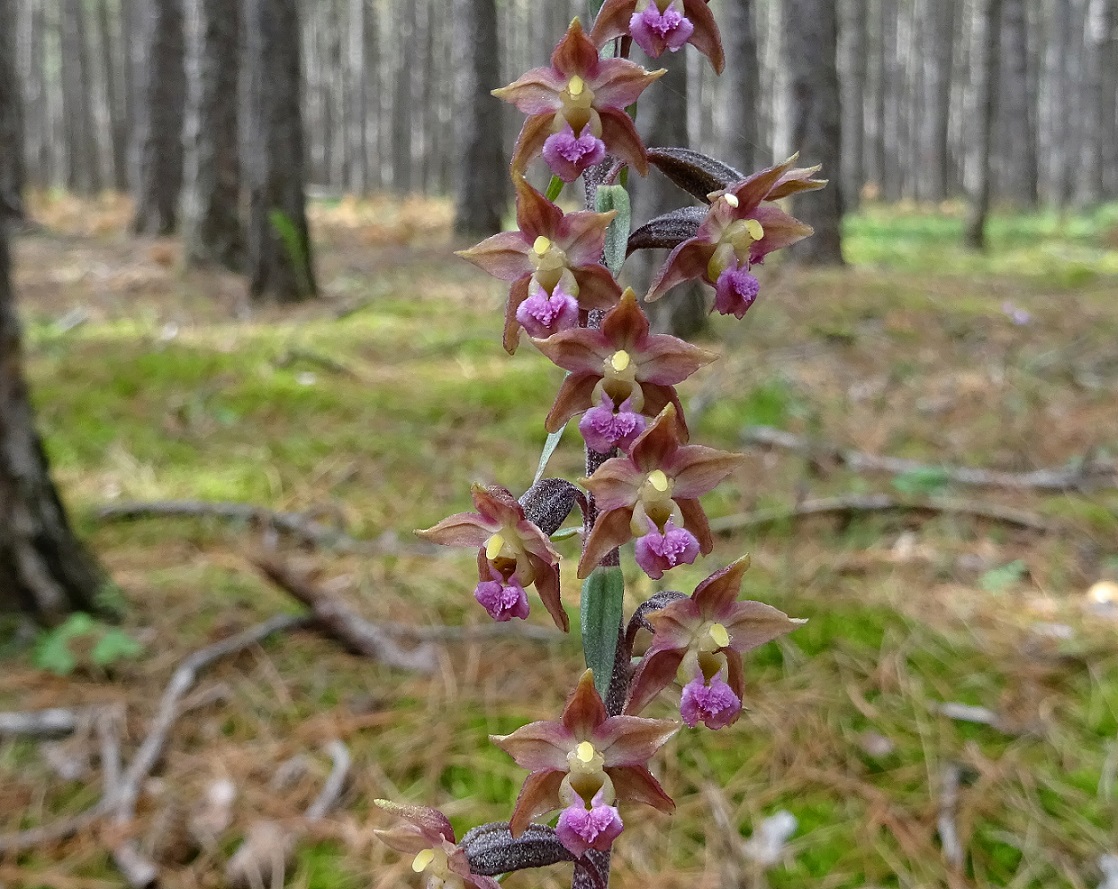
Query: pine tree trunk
938	60
742	83
986	86
1018	116
811	28
11	122
212	230
44	570
853	45
482	169
685	310
114	101
279	247
159	113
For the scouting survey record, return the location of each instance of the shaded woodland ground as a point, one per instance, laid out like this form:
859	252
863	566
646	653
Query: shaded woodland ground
372	410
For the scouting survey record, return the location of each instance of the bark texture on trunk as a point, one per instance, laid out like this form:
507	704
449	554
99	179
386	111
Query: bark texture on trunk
44	569
279	246
212	229
481	191
986	95
1018	115
159	112
11	121
812	29
684	311
742	76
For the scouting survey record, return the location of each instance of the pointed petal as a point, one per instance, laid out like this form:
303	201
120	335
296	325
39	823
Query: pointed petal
781	230
574	397
529	144
582	235
460	529
753	190
620	82
736	677
655	673
517	294
584	710
431	823
622	139
656	398
538	796
631	740
615	484
626	324
796	181
612	21
696	173
697	469
547	585
667	360
579	350
686	262
535	215
656	446
535	92
717	594
705	37
538	746
575	54
752	624
695	521
637	784
504	256
610	531
497	504
597	288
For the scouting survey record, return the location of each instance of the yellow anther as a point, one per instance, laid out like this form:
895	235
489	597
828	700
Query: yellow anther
541	245
720	635
493	546
619	360
658	480
756	232
585	752
575	86
731	199
421	861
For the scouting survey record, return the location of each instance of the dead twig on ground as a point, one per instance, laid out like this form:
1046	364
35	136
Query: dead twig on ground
340	623
850	506
52	723
120	801
950	778
1089	475
335	783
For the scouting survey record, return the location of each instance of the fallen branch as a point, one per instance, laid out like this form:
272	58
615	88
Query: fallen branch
950	778
1089	475
850	506
335	783
304	527
121	800
338	621
51	723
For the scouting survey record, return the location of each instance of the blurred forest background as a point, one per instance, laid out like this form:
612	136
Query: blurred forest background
255	367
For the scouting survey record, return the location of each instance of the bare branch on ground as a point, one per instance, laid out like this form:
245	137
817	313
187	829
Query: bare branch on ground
335	783
340	623
1090	475
850	506
51	723
950	778
120	801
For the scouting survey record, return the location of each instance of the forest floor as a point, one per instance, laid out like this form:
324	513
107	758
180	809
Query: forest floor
374	408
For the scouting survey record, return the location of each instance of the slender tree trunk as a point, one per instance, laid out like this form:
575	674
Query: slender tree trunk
84	170
685	310
401	98
480	189
938	63
877	153
1097	36
114	101
986	80
1018	116
212	231
159	149
811	27
12	171
44	570
742	83
358	98
279	246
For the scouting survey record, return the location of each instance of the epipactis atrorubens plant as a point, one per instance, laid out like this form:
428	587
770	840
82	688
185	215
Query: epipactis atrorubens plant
644	477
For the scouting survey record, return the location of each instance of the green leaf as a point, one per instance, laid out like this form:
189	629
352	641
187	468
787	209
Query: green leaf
925	480
53	652
1000	579
615	197
549	447
115	645
603	594
554	187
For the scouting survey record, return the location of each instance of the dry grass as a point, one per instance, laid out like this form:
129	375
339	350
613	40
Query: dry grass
171	387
